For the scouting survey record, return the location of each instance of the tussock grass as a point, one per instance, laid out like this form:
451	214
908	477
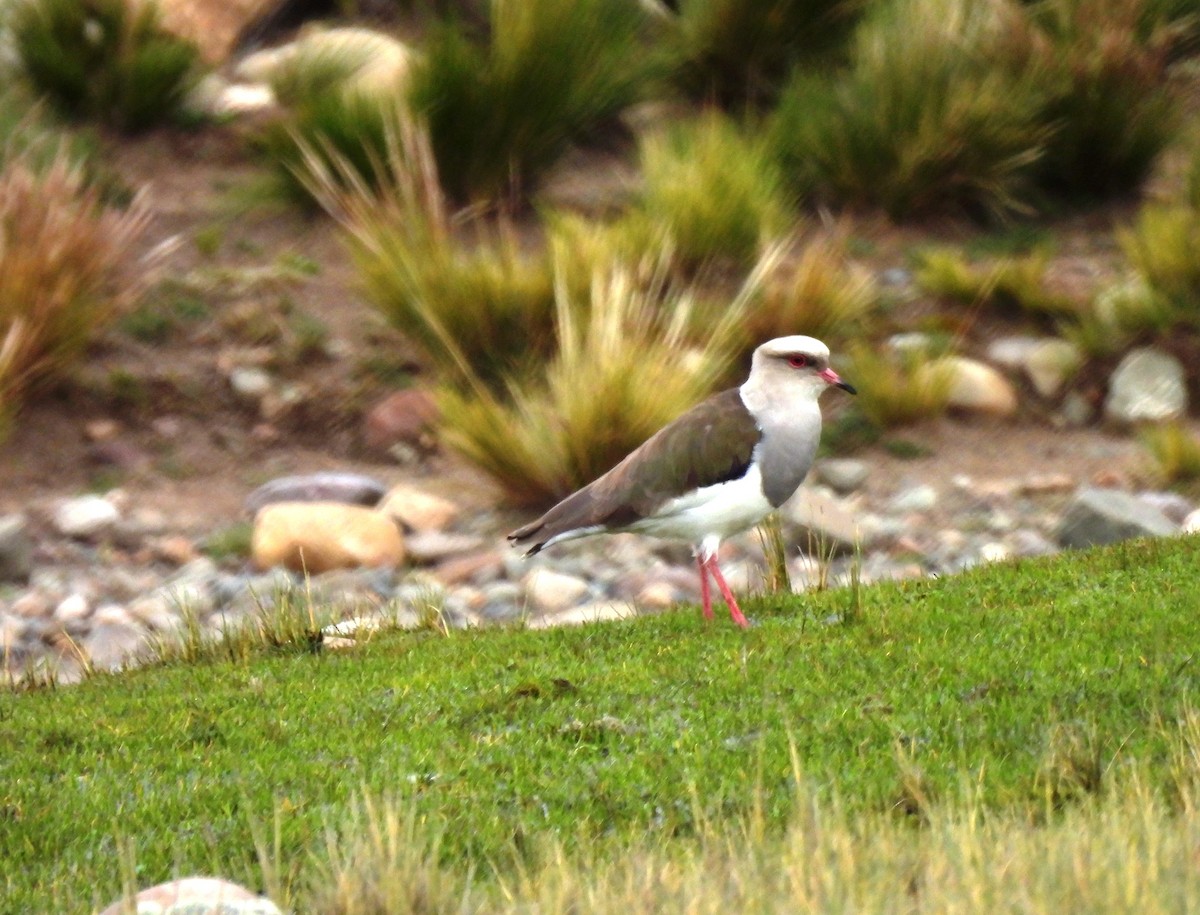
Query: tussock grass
897	387
1111	105
1160	246
932	113
107	60
740	53
634	346
819	292
1173	453
60	253
1015	284
659	764
481	310
502	108
715	189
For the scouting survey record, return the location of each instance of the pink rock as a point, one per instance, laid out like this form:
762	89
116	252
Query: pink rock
195	896
403	417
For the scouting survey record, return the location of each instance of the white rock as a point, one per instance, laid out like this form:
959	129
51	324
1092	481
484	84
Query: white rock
918	498
196	896
597	612
86	517
1147	386
1051	364
551	592
976	386
1012	352
1191	524
72	609
251	383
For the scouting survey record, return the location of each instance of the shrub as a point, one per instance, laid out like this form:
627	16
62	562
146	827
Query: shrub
931	114
59	253
1111	106
342	95
501	111
480	311
738	52
820	293
715	190
1173	453
897	386
1014	284
623	368
1161	246
108	60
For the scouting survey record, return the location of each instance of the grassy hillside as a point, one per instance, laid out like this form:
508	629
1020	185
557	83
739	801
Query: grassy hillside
1030	689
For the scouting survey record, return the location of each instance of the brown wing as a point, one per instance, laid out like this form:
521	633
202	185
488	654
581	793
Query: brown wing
711	443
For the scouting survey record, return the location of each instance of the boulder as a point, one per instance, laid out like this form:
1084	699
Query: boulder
316	537
1148	385
1099	516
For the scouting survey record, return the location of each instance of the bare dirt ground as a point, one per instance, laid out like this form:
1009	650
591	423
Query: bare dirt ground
188	447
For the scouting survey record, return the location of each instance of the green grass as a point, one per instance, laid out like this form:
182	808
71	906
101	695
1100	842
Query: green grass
1035	689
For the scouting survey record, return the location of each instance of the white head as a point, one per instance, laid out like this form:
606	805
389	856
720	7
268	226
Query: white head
790	371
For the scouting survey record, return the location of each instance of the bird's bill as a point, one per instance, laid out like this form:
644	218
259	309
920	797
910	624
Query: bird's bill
832	378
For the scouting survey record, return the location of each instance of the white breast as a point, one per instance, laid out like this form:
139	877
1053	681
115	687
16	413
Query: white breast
712	513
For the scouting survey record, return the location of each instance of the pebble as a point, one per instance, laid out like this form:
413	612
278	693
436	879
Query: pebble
16	549
84	602
86	517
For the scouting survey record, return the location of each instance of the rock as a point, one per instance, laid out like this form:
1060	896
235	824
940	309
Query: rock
86	517
1099	516
429	547
1171	504
1076	410
16	549
1191	524
1027	542
73	609
1148	385
214	26
251	384
819	525
109	646
122	455
218	97
920	497
403	417
477	568
348	488
551	592
366	60
418	510
1011	353
195	896
1051	364
315	537
842	475
658	595
598	612
975	386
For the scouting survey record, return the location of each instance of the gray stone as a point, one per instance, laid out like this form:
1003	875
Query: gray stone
1171	504
920	497
1027	542
1051	364
16	549
85	517
429	547
1099	516
1012	352
842	475
348	488
1076	410
597	612
111	646
1147	386
819	525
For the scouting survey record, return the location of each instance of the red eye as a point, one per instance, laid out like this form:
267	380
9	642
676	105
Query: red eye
798	361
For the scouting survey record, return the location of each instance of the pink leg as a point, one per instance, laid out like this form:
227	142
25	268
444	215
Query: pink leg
705	592
735	611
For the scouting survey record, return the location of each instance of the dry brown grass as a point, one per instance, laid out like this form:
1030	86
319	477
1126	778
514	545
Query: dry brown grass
60	252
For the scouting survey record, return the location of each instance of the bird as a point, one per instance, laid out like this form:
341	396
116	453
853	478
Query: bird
716	470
